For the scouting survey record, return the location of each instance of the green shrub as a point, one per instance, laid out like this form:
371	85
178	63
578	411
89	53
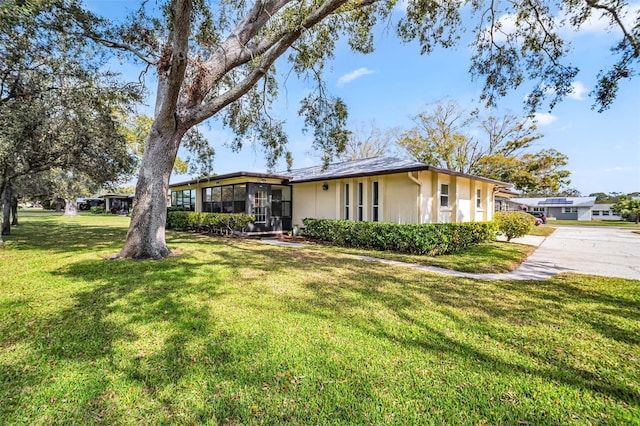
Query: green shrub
432	239
514	224
96	210
222	223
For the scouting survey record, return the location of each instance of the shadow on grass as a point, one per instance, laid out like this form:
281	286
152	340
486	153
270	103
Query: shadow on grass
164	326
497	313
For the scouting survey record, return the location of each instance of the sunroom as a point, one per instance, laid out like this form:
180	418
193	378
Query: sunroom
265	196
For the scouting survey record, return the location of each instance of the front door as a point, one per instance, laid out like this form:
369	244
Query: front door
260	205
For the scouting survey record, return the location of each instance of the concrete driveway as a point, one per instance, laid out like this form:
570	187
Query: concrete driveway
605	251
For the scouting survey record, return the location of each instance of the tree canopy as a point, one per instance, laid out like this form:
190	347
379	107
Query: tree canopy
56	101
497	147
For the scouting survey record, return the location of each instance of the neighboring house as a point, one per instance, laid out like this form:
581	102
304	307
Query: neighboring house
503	200
603	212
374	189
561	208
118	203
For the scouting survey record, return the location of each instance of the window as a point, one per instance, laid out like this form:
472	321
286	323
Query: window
538	209
239	198
224	199
605	212
478	198
227	199
374	202
596	212
216	199
346	201
360	199
444	195
281	201
569	210
185	199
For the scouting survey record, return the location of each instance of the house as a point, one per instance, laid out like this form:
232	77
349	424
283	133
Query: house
117	203
562	208
503	200
379	189
603	212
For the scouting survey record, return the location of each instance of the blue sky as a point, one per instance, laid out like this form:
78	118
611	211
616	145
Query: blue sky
395	82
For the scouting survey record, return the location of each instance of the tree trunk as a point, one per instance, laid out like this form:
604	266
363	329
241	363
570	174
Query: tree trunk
14	211
146	235
70	208
6	210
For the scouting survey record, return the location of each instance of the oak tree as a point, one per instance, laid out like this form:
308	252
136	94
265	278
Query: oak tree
219	58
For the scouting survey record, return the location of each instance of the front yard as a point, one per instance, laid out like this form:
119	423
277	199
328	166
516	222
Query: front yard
240	332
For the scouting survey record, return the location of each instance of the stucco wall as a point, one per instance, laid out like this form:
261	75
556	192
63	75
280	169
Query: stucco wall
311	201
584	213
464	197
402	199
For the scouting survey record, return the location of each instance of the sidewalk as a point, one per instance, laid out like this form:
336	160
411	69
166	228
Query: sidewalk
530	269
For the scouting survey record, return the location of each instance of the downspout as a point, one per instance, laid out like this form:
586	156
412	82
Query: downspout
419	195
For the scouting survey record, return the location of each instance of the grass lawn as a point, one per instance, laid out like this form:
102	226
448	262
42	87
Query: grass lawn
542	230
240	332
613	223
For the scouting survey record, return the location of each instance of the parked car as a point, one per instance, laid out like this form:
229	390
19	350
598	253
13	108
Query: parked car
540	217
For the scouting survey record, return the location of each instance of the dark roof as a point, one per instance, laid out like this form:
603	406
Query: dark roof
115	195
373	167
346	169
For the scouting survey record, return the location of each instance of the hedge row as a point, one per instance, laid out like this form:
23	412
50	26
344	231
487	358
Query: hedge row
431	239
222	223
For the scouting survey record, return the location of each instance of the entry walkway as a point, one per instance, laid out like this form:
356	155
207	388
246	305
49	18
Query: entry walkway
528	270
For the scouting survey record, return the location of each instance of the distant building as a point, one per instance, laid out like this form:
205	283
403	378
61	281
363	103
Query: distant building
603	212
561	208
118	203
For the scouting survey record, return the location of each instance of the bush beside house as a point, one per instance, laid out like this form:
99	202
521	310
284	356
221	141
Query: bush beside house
514	224
431	239
221	223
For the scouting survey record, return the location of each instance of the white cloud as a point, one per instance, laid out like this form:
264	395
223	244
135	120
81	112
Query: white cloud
544	118
579	91
617	169
348	78
599	24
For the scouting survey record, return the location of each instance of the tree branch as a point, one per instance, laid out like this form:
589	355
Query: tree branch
123	46
616	17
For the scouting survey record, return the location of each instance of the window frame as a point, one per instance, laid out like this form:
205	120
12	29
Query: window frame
347	204
444	196
375	201
360	197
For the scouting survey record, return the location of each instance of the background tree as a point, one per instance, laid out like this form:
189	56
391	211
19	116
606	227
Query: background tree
55	101
442	138
368	141
218	58
448	136
628	208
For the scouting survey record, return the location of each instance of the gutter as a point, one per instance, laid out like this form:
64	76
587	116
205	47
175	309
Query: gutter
410	175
